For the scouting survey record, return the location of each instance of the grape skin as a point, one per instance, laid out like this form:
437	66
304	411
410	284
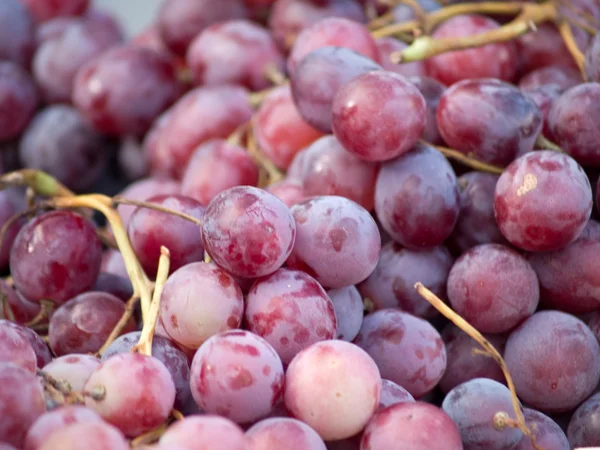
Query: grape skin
432	91
583	427
113	284
348	307
288	191
17	33
15	348
206	432
392	393
43	10
18	99
562	77
543	48
38	345
22	309
283	433
548	434
592	60
74	369
11	203
389	45
88	435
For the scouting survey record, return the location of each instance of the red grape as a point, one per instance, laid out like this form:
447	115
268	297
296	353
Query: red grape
215	166
17	33
330	170
73	369
548	434
583	428
238	375
59	141
563	77
11	203
282	433
389	45
334	387
416	198
279	128
144	189
488	119
205	432
348	307
407	349
43	10
202	114
414	425
554	360
137	392
543	48
113	90
543	201
288	191
234	52
248	232
392	393
18	99
88	435
337	241
391	284
15	348
544	96
291	311
38	345
198	301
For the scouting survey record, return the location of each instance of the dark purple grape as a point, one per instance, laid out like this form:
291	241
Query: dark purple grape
133	161
391	284
543	201
488	119
18	99
74	369
17	33
59	141
113	284
554	360
583	430
416	198
55	256
548	434
348	307
432	91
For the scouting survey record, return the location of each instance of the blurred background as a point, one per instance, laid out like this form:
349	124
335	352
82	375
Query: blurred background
134	15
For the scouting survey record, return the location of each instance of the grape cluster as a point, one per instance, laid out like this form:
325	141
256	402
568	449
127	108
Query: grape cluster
300	224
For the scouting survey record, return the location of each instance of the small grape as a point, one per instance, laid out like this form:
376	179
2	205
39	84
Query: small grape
432	91
205	432
283	434
348	307
73	369
113	284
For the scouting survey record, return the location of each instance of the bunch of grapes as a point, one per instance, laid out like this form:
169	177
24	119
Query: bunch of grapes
300	224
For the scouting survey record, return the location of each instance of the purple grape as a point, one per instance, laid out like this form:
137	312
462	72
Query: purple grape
39	347
291	311
113	263
59	141
592	60
544	97
88	435
407	349
416	425
391	284
417	199
18	98
337	241
133	162
113	284
548	434
198	301
73	369
432	91
17	33
11	203
15	348
543	201
288	191
392	393
204	432
348	307
284	434
554	360
238	375
473	405
543	48
583	428
560	76
17	306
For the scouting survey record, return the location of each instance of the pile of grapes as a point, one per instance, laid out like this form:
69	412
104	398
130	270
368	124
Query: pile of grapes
300	225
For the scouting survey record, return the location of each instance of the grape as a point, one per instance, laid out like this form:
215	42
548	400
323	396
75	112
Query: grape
216	166
18	99
288	191
416	198
73	369
234	52
592	60
248	232
279	128
476	222
432	91
200	115
113	263
21	403
291	311
283	433
113	284
472	406
497	60
329	378
348	307
137	392
15	305
330	170
142	190
133	162
319	76
83	324
295	171
333	32
575	9
391	284
289	17
568	280
488	119
392	393
583	428
204	432
17	33
563	77
407	349
543	201
11	203
180	21
389	45
43	10
57	60
554	360
548	434
378	116
166	352
543	48
464	365
15	348
493	288
416	425
52	421
543	97
53	29
199	300
39	347
88	435
60	142
337	241
149	229
572	127
238	375
112	90
4	446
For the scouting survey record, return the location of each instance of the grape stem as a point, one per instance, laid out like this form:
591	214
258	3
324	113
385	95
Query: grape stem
156	207
466	160
542	142
501	419
121	324
46	310
5	308
274	75
144	346
41	182
567	34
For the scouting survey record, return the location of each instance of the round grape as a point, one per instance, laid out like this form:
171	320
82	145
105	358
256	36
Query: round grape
288	191
583	428
548	434
17	33
348	307
38	345
15	348
392	393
